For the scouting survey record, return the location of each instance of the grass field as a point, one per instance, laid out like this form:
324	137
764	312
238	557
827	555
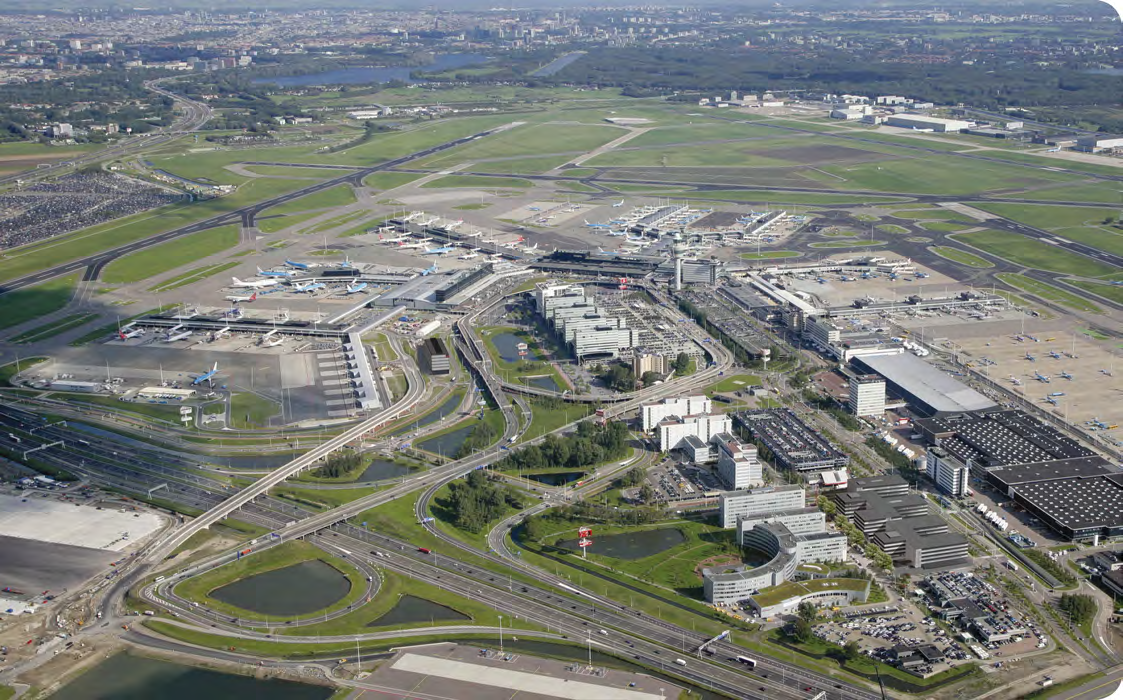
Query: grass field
49	330
165	257
1108	239
389	180
960	256
1107	291
933	213
249	411
1099	192
701	132
12	369
338	196
770	255
734	383
546	419
294	171
780	197
892	228
529	165
277	223
321	499
1049	217
847	243
477	181
1023	250
935	174
745	154
1048	292
103	331
944	226
24	305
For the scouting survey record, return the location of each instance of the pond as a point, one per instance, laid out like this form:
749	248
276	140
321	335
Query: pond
363	75
631	545
129	677
295	590
446	408
546	382
380	469
447	445
556	478
413	610
507	345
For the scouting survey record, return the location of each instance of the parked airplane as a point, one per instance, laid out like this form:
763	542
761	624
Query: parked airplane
416	244
206	376
392	239
1042	377
1051	400
256	284
297	265
219	333
597	225
618	233
513	244
430	270
125	335
530	249
474	234
272	343
310	287
412	216
178	336
454	225
468	256
1015	380
275	273
602	251
1066	375
437	251
236	299
356	288
1031	358
618	204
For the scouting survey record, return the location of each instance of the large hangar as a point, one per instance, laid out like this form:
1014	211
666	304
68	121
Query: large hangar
927	390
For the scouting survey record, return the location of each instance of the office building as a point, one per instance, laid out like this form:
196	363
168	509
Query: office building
867	395
948	473
674	429
434	357
644	362
737	464
686	406
737	504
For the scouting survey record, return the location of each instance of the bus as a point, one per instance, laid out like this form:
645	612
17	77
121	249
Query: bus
747	661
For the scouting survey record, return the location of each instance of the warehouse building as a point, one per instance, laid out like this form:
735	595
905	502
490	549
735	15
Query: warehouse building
926	123
1095	143
926	389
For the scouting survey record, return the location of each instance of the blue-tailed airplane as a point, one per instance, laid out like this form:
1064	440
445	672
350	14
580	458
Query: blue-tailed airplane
275	273
310	287
1066	375
297	265
206	376
356	288
1042	377
429	271
597	225
437	251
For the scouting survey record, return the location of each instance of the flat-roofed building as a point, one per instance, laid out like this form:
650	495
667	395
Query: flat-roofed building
948	473
737	463
867	395
737	504
673	429
434	357
685	406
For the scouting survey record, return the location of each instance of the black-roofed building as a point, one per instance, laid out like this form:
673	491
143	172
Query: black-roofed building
434	357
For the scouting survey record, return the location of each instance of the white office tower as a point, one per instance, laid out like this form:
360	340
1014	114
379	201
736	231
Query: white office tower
948	472
867	395
737	464
673	429
737	504
687	406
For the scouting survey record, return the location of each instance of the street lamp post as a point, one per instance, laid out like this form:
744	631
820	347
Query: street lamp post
500	634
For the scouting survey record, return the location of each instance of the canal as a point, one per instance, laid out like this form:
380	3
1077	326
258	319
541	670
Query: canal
295	590
447	408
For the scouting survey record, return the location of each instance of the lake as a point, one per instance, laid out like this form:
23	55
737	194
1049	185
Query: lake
364	75
380	469
544	382
507	344
447	445
413	610
631	545
129	677
556	478
300	589
449	406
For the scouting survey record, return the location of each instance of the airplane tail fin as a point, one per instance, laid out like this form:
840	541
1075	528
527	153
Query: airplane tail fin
253	297
120	333
236	280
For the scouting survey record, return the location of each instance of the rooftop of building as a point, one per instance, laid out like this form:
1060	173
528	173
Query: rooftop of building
937	390
1000	438
791	589
1079	503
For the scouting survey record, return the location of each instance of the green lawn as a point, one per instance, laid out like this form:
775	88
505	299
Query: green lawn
27	304
1048	292
321	499
104	331
734	383
281	556
528	140
547	419
770	153
49	330
1108	239
1023	250
850	243
701	131
938	174
1051	217
892	228
338	196
1098	192
933	213
1107	291
10	370
164	257
529	165
770	255
168	412
250	411
477	181
960	256
192	276
944	226
780	197
294	171
389	180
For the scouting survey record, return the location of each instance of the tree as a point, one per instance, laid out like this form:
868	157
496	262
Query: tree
646	493
826	505
801	630
1079	606
681	364
650	378
851	650
807	611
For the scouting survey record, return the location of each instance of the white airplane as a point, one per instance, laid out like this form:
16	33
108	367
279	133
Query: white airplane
438	251
618	204
430	222
179	336
412	216
475	234
414	244
356	288
275	273
392	239
255	284
618	233
220	332
489	241
596	225
468	256
310	287
130	334
454	225
272	343
236	299
530	249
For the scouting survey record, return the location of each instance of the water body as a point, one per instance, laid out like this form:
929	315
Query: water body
299	589
380	469
449	443
507	345
128	677
413	610
632	545
1105	71
547	382
556	478
363	75
446	408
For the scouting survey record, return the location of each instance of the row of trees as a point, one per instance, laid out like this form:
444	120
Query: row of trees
339	464
590	444
1079	606
483	435
476	501
619	377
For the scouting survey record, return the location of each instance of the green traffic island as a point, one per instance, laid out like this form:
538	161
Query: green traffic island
358	468
323	499
318	569
12	369
468	508
821	655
